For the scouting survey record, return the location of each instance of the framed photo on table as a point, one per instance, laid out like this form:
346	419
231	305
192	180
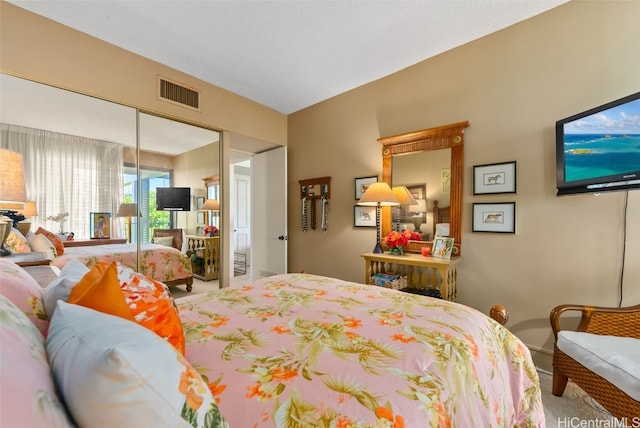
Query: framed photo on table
494	178
362	183
364	216
100	224
442	248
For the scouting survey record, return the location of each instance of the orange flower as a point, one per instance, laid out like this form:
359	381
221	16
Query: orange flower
281	375
384	413
399	337
351	335
281	329
352	323
188	386
216	390
343	422
218	322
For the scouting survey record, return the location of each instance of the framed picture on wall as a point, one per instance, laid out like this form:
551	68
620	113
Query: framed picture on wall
199	202
494	217
364	216
200	217
100	224
362	183
494	178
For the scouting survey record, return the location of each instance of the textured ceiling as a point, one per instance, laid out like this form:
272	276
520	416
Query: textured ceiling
287	54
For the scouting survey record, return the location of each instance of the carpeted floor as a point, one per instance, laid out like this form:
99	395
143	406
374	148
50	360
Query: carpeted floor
574	409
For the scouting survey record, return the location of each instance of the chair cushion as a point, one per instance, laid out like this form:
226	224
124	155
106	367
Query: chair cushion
611	357
115	373
29	397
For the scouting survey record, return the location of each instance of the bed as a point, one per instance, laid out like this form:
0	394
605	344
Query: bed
160	262
303	350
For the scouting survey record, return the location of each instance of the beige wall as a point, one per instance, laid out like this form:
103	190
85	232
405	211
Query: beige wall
511	86
36	48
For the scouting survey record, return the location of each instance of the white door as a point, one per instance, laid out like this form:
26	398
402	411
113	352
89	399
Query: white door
269	213
241	214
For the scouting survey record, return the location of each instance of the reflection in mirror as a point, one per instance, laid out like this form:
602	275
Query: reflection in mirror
430	142
426	175
82	157
73	148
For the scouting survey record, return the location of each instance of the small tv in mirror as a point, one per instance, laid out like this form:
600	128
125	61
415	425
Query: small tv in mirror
173	199
599	150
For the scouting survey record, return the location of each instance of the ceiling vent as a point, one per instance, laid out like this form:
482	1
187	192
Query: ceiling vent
178	94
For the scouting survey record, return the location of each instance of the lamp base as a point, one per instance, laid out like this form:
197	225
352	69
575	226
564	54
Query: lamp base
378	249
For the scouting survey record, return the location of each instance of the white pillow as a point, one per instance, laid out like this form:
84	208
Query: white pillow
115	373
167	241
41	243
60	288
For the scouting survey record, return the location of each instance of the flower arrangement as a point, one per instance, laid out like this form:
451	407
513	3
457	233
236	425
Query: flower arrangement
60	218
210	231
397	241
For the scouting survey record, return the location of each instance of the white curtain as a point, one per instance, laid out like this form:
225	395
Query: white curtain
68	174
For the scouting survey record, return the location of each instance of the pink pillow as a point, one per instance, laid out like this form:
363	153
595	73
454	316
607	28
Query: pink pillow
17	243
24	292
28	394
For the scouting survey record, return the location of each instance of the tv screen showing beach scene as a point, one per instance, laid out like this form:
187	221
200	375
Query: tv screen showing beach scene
602	144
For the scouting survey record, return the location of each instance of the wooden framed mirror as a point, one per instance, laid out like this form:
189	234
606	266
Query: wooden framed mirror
443	137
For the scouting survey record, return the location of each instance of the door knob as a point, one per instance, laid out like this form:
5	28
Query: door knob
282	238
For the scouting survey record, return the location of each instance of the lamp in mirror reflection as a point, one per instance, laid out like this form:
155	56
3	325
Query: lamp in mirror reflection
406	199
418	209
12	193
128	210
378	195
30	210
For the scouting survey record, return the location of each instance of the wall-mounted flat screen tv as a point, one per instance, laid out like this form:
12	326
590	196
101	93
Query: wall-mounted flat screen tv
599	150
173	198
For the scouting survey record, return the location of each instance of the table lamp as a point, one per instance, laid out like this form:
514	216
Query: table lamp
128	210
12	192
378	195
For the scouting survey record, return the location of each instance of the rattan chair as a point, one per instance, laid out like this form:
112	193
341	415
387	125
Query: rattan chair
622	322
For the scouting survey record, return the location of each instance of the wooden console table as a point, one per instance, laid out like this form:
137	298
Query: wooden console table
422	272
92	242
207	251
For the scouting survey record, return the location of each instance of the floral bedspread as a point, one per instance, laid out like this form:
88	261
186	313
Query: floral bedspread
159	262
299	350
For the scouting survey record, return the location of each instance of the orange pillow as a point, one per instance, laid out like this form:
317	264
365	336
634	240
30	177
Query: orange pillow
152	306
99	289
55	240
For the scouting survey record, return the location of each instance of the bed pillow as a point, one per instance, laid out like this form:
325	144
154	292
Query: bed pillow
41	243
167	241
16	242
55	240
24	292
100	290
112	372
28	393
152	305
60	288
